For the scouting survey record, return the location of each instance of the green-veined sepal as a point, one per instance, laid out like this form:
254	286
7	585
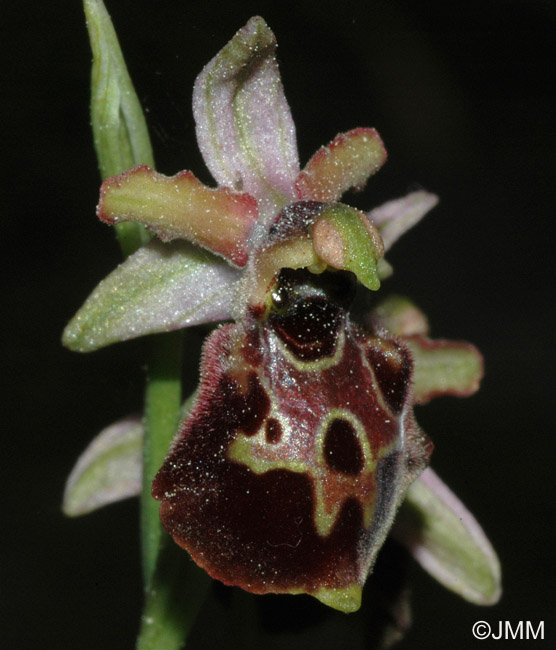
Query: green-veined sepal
161	287
447	540
108	470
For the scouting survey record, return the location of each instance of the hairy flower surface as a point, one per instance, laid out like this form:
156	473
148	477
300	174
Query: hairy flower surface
301	446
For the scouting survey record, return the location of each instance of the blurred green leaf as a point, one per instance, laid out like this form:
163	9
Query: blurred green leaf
119	128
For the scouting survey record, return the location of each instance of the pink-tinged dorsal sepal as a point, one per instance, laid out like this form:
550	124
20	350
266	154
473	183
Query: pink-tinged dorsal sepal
244	127
299	448
181	207
345	164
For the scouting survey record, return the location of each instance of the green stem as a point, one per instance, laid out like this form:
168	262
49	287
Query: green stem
173	600
174	587
162	407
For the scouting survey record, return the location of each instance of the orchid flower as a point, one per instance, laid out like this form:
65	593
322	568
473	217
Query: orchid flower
300	452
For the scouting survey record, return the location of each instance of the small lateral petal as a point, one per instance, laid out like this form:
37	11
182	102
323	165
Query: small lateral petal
396	217
108	470
447	541
346	163
444	368
161	287
182	207
244	126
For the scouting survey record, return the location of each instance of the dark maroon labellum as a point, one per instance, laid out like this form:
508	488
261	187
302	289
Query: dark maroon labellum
287	474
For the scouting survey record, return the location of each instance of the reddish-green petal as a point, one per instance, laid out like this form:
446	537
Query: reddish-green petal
182	207
346	163
444	368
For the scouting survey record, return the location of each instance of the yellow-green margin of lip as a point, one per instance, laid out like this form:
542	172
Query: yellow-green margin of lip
344	599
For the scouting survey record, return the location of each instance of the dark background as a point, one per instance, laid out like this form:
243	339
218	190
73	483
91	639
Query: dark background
462	94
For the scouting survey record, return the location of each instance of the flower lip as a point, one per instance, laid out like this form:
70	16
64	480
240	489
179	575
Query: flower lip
309	327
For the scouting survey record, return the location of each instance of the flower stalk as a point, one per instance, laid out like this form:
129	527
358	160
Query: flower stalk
122	141
162	406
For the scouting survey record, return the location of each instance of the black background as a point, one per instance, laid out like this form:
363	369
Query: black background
462	94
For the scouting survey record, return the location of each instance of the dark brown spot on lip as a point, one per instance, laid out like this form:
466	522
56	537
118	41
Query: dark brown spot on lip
342	450
273	431
255	407
309	328
391	365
